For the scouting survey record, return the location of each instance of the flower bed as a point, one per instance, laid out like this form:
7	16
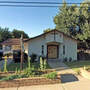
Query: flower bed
29	82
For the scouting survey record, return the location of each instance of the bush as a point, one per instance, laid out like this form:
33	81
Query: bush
33	57
51	75
70	59
9	78
65	59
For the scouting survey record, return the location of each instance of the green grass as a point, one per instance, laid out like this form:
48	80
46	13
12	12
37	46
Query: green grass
51	75
13	66
78	64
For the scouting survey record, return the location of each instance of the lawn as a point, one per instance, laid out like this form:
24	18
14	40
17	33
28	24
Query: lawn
16	66
78	64
13	66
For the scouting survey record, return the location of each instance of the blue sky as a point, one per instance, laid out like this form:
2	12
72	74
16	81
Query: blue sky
32	20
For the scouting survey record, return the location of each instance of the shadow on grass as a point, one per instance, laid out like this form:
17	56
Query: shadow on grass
65	78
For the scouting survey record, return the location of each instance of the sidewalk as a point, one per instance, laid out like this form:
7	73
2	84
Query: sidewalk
39	87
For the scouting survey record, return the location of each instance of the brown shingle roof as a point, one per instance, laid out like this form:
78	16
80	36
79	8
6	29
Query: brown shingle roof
12	41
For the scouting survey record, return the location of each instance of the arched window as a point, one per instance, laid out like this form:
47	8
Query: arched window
42	49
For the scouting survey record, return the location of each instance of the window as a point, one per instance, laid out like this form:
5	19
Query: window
42	49
64	50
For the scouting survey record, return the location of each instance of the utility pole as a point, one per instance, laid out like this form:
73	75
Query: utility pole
21	64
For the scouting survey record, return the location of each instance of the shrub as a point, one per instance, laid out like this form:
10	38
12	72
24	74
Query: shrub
51	75
65	59
9	78
33	57
70	59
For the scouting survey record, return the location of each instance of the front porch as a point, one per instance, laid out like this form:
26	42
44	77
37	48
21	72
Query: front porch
53	49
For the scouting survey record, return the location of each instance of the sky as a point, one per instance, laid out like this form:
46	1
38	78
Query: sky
31	20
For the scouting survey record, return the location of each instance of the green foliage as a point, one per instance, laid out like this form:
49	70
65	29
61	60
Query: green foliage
29	64
28	72
41	63
18	33
16	76
51	75
47	30
5	65
75	21
9	78
17	71
4	34
45	63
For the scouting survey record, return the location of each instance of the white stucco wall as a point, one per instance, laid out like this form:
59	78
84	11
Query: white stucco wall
35	46
70	48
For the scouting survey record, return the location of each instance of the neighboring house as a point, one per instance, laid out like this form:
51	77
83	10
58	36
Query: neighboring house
10	46
53	44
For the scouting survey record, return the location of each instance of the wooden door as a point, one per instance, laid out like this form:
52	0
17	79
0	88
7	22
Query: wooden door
52	51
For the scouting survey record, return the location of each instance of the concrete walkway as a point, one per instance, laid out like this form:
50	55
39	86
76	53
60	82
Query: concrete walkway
60	67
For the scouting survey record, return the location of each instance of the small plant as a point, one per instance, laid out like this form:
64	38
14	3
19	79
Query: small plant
5	64
51	75
41	63
29	64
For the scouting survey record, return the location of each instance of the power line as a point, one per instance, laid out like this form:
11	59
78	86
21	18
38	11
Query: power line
33	4
47	6
26	6
38	2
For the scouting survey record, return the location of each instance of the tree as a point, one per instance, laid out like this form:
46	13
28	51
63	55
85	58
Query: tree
17	34
47	30
5	34
74	21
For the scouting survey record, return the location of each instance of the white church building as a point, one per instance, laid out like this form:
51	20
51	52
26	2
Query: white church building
53	44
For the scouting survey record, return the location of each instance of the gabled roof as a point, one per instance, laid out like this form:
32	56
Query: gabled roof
50	32
11	41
